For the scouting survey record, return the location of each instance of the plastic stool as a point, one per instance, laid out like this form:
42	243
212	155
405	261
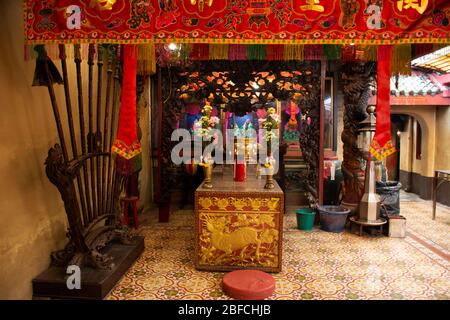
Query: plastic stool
248	285
130	203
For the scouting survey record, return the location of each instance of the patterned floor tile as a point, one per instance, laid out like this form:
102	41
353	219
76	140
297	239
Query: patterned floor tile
316	264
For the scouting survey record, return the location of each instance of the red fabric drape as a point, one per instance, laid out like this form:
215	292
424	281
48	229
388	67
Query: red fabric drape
238	21
126	144
381	146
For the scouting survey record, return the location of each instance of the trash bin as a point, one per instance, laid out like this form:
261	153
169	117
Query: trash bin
333	218
389	192
332	183
305	219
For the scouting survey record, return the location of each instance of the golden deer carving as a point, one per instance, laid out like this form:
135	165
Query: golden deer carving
239	239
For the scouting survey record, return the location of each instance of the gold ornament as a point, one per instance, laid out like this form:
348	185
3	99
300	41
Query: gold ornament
205	202
103	4
201	4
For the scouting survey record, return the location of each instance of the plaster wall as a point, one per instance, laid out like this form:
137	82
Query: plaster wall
32	217
406	143
416	174
426	116
443	138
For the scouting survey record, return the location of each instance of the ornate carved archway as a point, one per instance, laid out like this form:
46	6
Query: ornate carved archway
232	83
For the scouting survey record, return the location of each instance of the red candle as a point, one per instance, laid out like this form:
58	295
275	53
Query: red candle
239	172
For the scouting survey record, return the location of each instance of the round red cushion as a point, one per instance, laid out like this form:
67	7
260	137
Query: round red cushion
248	285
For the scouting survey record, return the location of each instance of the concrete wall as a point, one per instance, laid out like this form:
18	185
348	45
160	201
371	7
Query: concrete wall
32	218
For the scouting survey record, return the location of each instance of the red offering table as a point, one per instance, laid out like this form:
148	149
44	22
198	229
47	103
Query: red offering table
239	225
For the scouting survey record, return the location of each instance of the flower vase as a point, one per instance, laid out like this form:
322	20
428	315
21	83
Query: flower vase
207	170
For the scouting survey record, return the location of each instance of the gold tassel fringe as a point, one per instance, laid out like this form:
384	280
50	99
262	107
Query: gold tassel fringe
146	59
218	52
401	60
294	52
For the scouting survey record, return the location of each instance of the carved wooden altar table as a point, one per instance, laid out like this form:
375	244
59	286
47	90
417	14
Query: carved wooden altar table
239	225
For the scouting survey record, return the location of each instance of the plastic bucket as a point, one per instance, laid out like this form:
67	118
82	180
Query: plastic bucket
333	218
305	219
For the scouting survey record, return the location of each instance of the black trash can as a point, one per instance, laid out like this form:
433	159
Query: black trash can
333	218
389	192
332	188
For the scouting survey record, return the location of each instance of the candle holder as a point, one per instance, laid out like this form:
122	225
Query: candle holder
270	124
269	165
269	178
207	170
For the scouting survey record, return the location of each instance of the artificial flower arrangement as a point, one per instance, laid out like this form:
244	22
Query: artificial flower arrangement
270	124
204	126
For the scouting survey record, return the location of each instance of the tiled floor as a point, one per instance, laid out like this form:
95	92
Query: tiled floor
316	265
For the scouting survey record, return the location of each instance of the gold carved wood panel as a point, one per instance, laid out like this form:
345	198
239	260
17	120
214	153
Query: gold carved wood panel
237	231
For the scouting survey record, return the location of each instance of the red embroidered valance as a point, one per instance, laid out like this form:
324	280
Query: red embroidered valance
238	21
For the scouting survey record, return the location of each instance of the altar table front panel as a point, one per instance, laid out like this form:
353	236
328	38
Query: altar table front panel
239	225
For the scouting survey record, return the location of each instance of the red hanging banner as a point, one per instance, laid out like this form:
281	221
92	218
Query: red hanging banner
127	145
382	146
238	21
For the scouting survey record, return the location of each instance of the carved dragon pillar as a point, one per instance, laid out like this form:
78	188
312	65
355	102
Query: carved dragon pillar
355	80
309	140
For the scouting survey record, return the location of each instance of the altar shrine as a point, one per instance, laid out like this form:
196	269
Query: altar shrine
231	109
238	225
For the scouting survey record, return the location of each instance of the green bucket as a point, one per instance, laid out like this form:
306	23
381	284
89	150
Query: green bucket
305	219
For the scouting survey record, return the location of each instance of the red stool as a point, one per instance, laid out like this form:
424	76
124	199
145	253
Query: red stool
130	203
248	285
